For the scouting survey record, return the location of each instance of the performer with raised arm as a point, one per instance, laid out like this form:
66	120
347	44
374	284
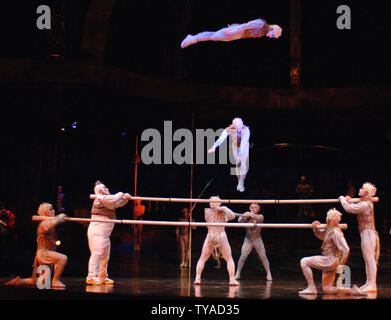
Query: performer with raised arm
99	233
335	253
46	248
252	240
240	135
370	244
216	241
253	29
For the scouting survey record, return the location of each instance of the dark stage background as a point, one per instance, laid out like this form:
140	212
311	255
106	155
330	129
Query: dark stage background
114	93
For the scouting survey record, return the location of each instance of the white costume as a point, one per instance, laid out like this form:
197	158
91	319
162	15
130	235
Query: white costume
99	233
216	239
253	29
335	252
370	245
252	240
240	135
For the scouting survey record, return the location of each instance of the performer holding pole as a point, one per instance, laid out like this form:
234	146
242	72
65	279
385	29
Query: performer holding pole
252	240
99	233
335	253
46	248
216	240
252	29
370	244
240	135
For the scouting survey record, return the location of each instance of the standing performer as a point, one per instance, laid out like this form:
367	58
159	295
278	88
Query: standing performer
370	244
182	235
99	233
216	240
138	214
252	240
46	248
252	29
335	253
240	135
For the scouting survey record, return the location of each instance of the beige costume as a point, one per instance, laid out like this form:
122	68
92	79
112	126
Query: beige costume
370	245
252	240
217	241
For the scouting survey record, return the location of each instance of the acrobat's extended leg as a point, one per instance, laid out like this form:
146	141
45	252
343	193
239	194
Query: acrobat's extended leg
227	255
226	34
260	248
205	254
328	278
246	250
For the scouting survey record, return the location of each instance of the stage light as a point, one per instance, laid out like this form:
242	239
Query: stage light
74	125
123	133
58	242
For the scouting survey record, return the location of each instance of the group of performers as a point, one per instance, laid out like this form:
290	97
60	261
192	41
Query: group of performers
335	250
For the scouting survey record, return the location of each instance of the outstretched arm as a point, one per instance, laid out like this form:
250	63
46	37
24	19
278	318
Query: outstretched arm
355	208
219	141
113	201
229	214
48	224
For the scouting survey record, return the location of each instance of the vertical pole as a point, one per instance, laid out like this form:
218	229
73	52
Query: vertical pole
135	167
295	45
191	186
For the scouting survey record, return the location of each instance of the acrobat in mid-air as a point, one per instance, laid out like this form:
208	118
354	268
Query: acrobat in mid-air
335	253
253	29
240	135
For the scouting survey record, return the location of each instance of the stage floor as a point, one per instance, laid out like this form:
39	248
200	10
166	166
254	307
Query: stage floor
154	274
180	288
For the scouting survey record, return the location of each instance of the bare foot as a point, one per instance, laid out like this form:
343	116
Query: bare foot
364	286
188	41
58	284
308	291
357	291
233	282
13	282
369	288
269	277
197	281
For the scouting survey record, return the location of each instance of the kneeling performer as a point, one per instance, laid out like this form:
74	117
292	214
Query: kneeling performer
335	252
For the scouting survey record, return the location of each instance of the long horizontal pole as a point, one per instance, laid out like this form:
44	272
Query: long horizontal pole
195	224
277	201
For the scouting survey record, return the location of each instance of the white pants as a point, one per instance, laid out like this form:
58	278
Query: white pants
99	243
368	248
247	247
